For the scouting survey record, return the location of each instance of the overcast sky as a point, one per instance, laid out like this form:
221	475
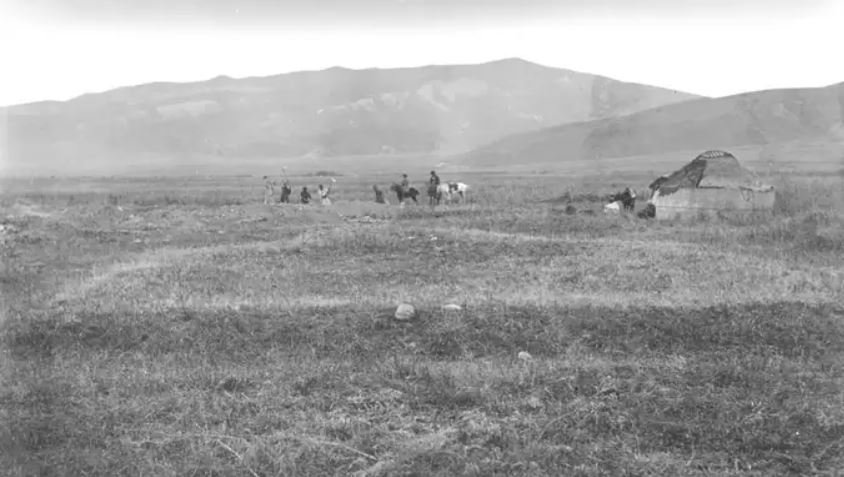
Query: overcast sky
59	49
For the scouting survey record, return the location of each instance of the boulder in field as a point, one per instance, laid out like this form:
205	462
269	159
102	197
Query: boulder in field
405	311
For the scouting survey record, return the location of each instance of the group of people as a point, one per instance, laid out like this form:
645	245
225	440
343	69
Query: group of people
304	196
323	193
405	190
433	183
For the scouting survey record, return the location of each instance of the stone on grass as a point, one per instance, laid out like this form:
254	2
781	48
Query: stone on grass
405	312
534	402
452	307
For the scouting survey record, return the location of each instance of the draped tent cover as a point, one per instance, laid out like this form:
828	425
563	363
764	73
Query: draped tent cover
712	169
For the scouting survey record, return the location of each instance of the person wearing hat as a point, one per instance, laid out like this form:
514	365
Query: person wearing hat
434	180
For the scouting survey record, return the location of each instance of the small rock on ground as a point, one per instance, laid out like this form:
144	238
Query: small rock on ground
405	312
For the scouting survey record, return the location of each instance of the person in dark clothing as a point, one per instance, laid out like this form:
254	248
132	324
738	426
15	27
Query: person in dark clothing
405	184
305	196
434	180
434	195
627	198
285	192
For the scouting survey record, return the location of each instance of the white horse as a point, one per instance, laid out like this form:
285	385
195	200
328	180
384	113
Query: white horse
452	191
458	189
442	193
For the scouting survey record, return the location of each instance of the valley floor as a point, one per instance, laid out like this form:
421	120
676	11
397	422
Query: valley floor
179	327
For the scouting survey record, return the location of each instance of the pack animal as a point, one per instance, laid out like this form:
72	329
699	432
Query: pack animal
440	193
458	189
448	192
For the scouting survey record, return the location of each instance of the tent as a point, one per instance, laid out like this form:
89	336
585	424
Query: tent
714	182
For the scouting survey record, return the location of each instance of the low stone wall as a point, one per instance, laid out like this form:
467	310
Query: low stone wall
690	203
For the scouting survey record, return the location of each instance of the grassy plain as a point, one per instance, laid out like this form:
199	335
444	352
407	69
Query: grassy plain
179	327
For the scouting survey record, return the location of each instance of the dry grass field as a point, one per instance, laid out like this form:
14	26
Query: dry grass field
180	327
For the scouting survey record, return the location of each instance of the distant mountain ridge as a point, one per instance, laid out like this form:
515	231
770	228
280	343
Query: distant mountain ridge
333	112
749	119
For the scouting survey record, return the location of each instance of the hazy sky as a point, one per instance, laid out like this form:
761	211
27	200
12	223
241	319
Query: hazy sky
58	49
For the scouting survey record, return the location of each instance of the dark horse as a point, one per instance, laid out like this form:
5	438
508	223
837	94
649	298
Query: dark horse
401	195
627	198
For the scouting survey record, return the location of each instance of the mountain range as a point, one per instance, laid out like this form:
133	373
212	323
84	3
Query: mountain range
336	112
764	119
491	115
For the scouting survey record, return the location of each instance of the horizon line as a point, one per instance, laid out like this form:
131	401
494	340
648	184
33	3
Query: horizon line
380	68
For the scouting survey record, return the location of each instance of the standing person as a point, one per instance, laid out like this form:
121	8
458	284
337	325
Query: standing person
285	186
285	192
324	192
434	180
433	184
269	190
305	196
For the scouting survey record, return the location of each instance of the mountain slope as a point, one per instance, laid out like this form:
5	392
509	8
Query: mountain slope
321	113
758	118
